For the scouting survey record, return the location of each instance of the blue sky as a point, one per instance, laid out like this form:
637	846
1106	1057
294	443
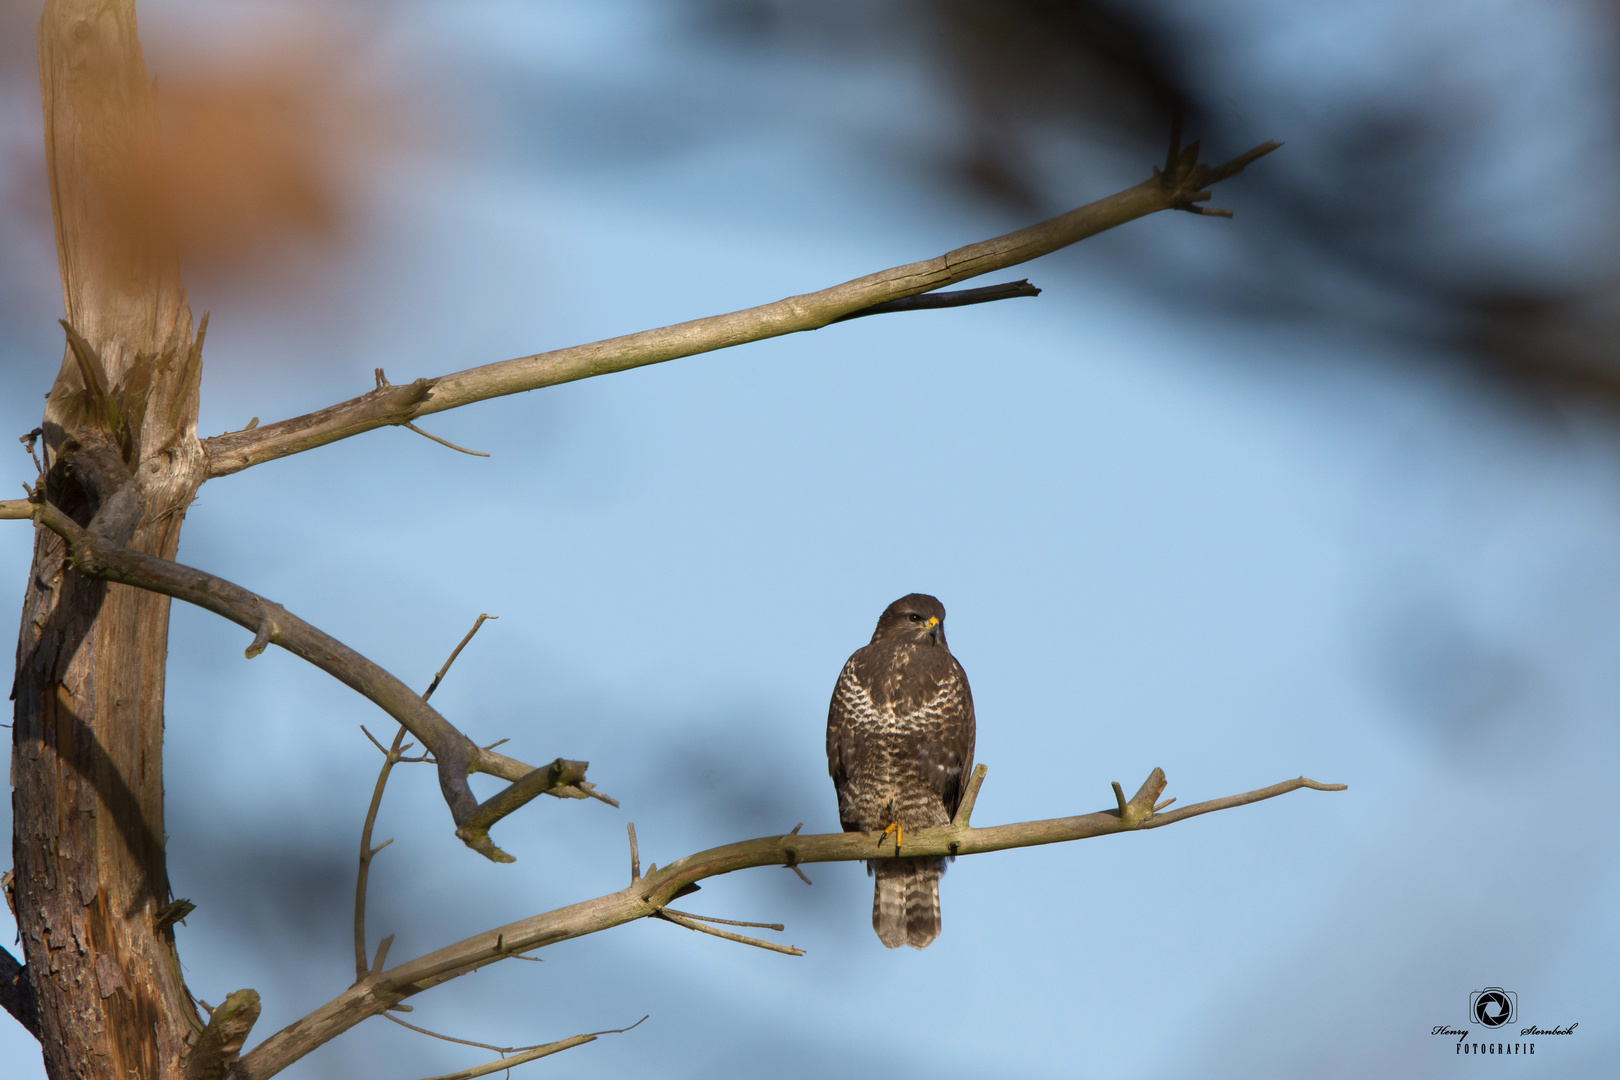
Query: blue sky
1165	536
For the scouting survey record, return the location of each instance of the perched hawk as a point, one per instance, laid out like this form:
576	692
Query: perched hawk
900	751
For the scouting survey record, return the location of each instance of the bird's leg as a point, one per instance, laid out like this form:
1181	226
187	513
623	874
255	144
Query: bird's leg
894	827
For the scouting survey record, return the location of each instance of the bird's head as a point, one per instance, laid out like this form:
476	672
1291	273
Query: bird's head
918	619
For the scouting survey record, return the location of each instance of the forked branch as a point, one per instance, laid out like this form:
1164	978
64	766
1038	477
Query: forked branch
1181	185
455	755
650	894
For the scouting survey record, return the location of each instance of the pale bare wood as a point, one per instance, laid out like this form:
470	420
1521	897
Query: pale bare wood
1181	186
649	895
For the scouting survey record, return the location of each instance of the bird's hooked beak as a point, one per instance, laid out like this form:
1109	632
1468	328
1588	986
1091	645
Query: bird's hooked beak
932	628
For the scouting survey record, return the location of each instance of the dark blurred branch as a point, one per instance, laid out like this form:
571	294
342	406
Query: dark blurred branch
17	993
648	895
1178	187
455	754
1184	174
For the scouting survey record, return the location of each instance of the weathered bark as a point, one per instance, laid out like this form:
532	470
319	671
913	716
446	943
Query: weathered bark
120	430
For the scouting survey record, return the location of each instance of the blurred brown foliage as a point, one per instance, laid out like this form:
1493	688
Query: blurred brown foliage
269	138
270	146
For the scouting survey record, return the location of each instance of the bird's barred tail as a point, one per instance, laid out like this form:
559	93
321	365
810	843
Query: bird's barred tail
905	901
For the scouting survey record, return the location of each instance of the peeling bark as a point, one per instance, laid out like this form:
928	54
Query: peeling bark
120	433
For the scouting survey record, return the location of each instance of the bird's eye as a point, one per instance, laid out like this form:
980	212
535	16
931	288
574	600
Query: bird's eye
913	616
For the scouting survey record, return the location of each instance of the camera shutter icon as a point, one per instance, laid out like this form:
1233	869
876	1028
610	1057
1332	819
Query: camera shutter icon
1493	1006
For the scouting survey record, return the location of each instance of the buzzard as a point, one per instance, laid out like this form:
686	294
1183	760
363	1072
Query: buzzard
900	751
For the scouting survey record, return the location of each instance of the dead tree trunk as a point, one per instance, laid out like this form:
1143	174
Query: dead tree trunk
122	457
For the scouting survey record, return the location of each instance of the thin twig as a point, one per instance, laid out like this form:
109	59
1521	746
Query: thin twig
382	954
373	739
793	857
517	1059
463	1042
29	441
727	922
690	924
1196	809
527	1054
439	677
362	877
444	442
956	298
590	792
635	855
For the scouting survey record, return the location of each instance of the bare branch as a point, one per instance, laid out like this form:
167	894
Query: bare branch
648	895
1158	820
16	509
635	855
455	755
1178	186
17	993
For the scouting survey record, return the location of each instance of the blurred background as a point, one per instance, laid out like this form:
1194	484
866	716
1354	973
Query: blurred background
1332	488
